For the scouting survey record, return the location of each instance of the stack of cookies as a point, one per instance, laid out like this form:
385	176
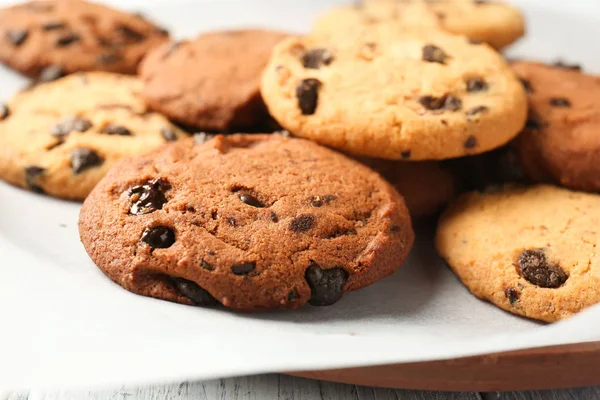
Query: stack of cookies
255	170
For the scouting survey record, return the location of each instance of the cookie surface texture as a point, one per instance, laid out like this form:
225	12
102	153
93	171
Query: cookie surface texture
43	38
425	96
253	222
61	137
531	251
212	82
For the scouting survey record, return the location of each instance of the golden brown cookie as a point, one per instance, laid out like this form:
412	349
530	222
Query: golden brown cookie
415	96
561	142
62	137
49	38
253	222
212	82
531	251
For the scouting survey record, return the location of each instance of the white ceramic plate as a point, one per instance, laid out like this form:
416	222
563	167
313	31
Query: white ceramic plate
62	323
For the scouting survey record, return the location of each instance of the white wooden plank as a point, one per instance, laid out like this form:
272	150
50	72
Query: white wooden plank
591	393
422	395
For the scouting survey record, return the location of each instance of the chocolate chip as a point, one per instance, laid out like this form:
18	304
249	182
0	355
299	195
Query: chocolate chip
50	73
433	53
564	65
168	134
302	223
476	85
527	85
17	36
316	58
477	110
535	268
307	93
108	58
83	159
194	292
69	125
326	285
395	228
247	198
292	296
206	266
447	102
129	33
67	40
159	237
4	111
319	201
560	102
406	154
512	295
52	26
274	217
471	142
32	174
243	268
532	124
148	197
112	129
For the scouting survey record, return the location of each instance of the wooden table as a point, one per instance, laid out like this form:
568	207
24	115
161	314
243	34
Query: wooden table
275	387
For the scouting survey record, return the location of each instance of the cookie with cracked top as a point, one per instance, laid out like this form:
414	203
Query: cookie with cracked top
511	247
414	96
560	143
253	222
47	39
61	137
212	82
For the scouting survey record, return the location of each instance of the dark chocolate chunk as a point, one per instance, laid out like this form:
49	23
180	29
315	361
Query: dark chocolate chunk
477	110
527	85
326	285
433	53
319	201
206	266
168	134
512	295
17	36
533	124
560	102
4	111
307	93
292	296
274	217
159	237
148	197
67	40
471	142
247	198
50	73
243	268
52	26
316	58
406	154
302	223
112	129
535	268
129	33
32	175
69	125
447	102
194	292
476	85
83	159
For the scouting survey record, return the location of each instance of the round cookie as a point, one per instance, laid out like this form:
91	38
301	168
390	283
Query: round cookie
253	222
47	39
561	142
415	96
212	82
62	137
515	250
495	23
427	187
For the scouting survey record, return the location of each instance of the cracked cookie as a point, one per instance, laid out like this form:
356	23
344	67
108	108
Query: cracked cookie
560	143
253	222
212	82
415	96
48	39
61	137
529	250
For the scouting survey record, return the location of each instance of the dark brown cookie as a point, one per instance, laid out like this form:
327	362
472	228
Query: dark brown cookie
212	82
48	39
253	222
561	142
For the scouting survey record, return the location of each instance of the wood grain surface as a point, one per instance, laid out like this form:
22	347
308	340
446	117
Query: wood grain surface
282	387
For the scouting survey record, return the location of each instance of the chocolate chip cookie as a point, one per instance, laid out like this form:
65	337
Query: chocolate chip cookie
49	38
61	137
492	22
213	82
414	96
253	222
529	250
560	143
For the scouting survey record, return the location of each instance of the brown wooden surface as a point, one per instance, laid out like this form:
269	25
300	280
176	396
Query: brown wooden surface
543	368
